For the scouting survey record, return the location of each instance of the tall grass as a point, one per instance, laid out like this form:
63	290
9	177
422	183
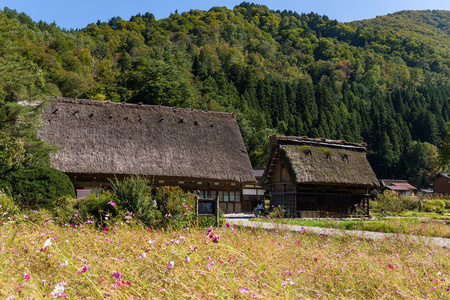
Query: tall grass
125	261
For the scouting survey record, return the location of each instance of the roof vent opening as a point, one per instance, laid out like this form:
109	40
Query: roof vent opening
212	125
345	157
110	117
91	115
196	123
161	119
328	156
54	112
126	118
307	151
180	120
75	112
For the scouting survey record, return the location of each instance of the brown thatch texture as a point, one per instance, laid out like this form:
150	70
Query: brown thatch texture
111	138
310	164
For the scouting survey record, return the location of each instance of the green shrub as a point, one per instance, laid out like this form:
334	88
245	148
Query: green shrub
7	205
207	221
38	187
176	206
277	212
131	192
98	206
447	203
135	195
66	211
392	202
433	205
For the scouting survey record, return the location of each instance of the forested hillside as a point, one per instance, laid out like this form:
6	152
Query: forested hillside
384	81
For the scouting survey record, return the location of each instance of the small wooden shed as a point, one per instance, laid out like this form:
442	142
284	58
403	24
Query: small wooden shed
196	150
441	184
318	177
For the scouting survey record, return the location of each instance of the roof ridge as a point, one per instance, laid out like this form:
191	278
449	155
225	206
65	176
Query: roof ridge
140	105
318	141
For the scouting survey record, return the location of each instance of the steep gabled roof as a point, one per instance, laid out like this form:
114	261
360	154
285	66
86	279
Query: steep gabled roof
445	175
113	138
321	161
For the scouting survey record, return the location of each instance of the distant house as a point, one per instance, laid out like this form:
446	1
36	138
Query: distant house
399	186
441	184
253	193
196	150
318	177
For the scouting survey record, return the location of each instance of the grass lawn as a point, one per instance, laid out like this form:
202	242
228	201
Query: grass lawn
404	225
43	260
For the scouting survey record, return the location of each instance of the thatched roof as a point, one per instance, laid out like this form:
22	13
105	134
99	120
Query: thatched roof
321	161
113	138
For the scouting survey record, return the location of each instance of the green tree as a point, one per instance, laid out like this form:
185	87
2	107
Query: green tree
444	151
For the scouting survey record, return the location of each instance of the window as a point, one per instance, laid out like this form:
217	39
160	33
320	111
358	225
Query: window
238	197
232	199
225	197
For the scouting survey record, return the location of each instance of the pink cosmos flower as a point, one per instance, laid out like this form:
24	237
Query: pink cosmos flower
390	267
26	276
83	270
112	203
171	265
244	290
105	229
227	225
117	275
126	283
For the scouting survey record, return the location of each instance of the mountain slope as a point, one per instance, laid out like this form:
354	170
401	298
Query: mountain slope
385	81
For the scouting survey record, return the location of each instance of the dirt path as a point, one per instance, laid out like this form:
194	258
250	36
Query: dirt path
443	242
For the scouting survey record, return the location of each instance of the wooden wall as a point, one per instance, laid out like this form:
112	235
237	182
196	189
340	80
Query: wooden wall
441	186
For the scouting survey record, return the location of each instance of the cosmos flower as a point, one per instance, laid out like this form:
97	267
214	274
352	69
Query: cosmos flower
47	244
171	265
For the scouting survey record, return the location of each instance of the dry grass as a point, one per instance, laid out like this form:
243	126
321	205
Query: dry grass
242	264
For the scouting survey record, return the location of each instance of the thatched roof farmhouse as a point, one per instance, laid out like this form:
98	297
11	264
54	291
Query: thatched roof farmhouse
316	177
198	150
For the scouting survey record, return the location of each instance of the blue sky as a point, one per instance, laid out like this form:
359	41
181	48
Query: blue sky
77	14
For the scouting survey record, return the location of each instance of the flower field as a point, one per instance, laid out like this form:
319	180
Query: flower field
43	260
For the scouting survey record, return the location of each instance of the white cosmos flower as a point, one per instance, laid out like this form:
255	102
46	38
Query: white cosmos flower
47	243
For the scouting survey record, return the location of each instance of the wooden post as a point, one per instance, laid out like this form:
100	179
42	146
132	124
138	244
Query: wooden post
217	210
196	210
